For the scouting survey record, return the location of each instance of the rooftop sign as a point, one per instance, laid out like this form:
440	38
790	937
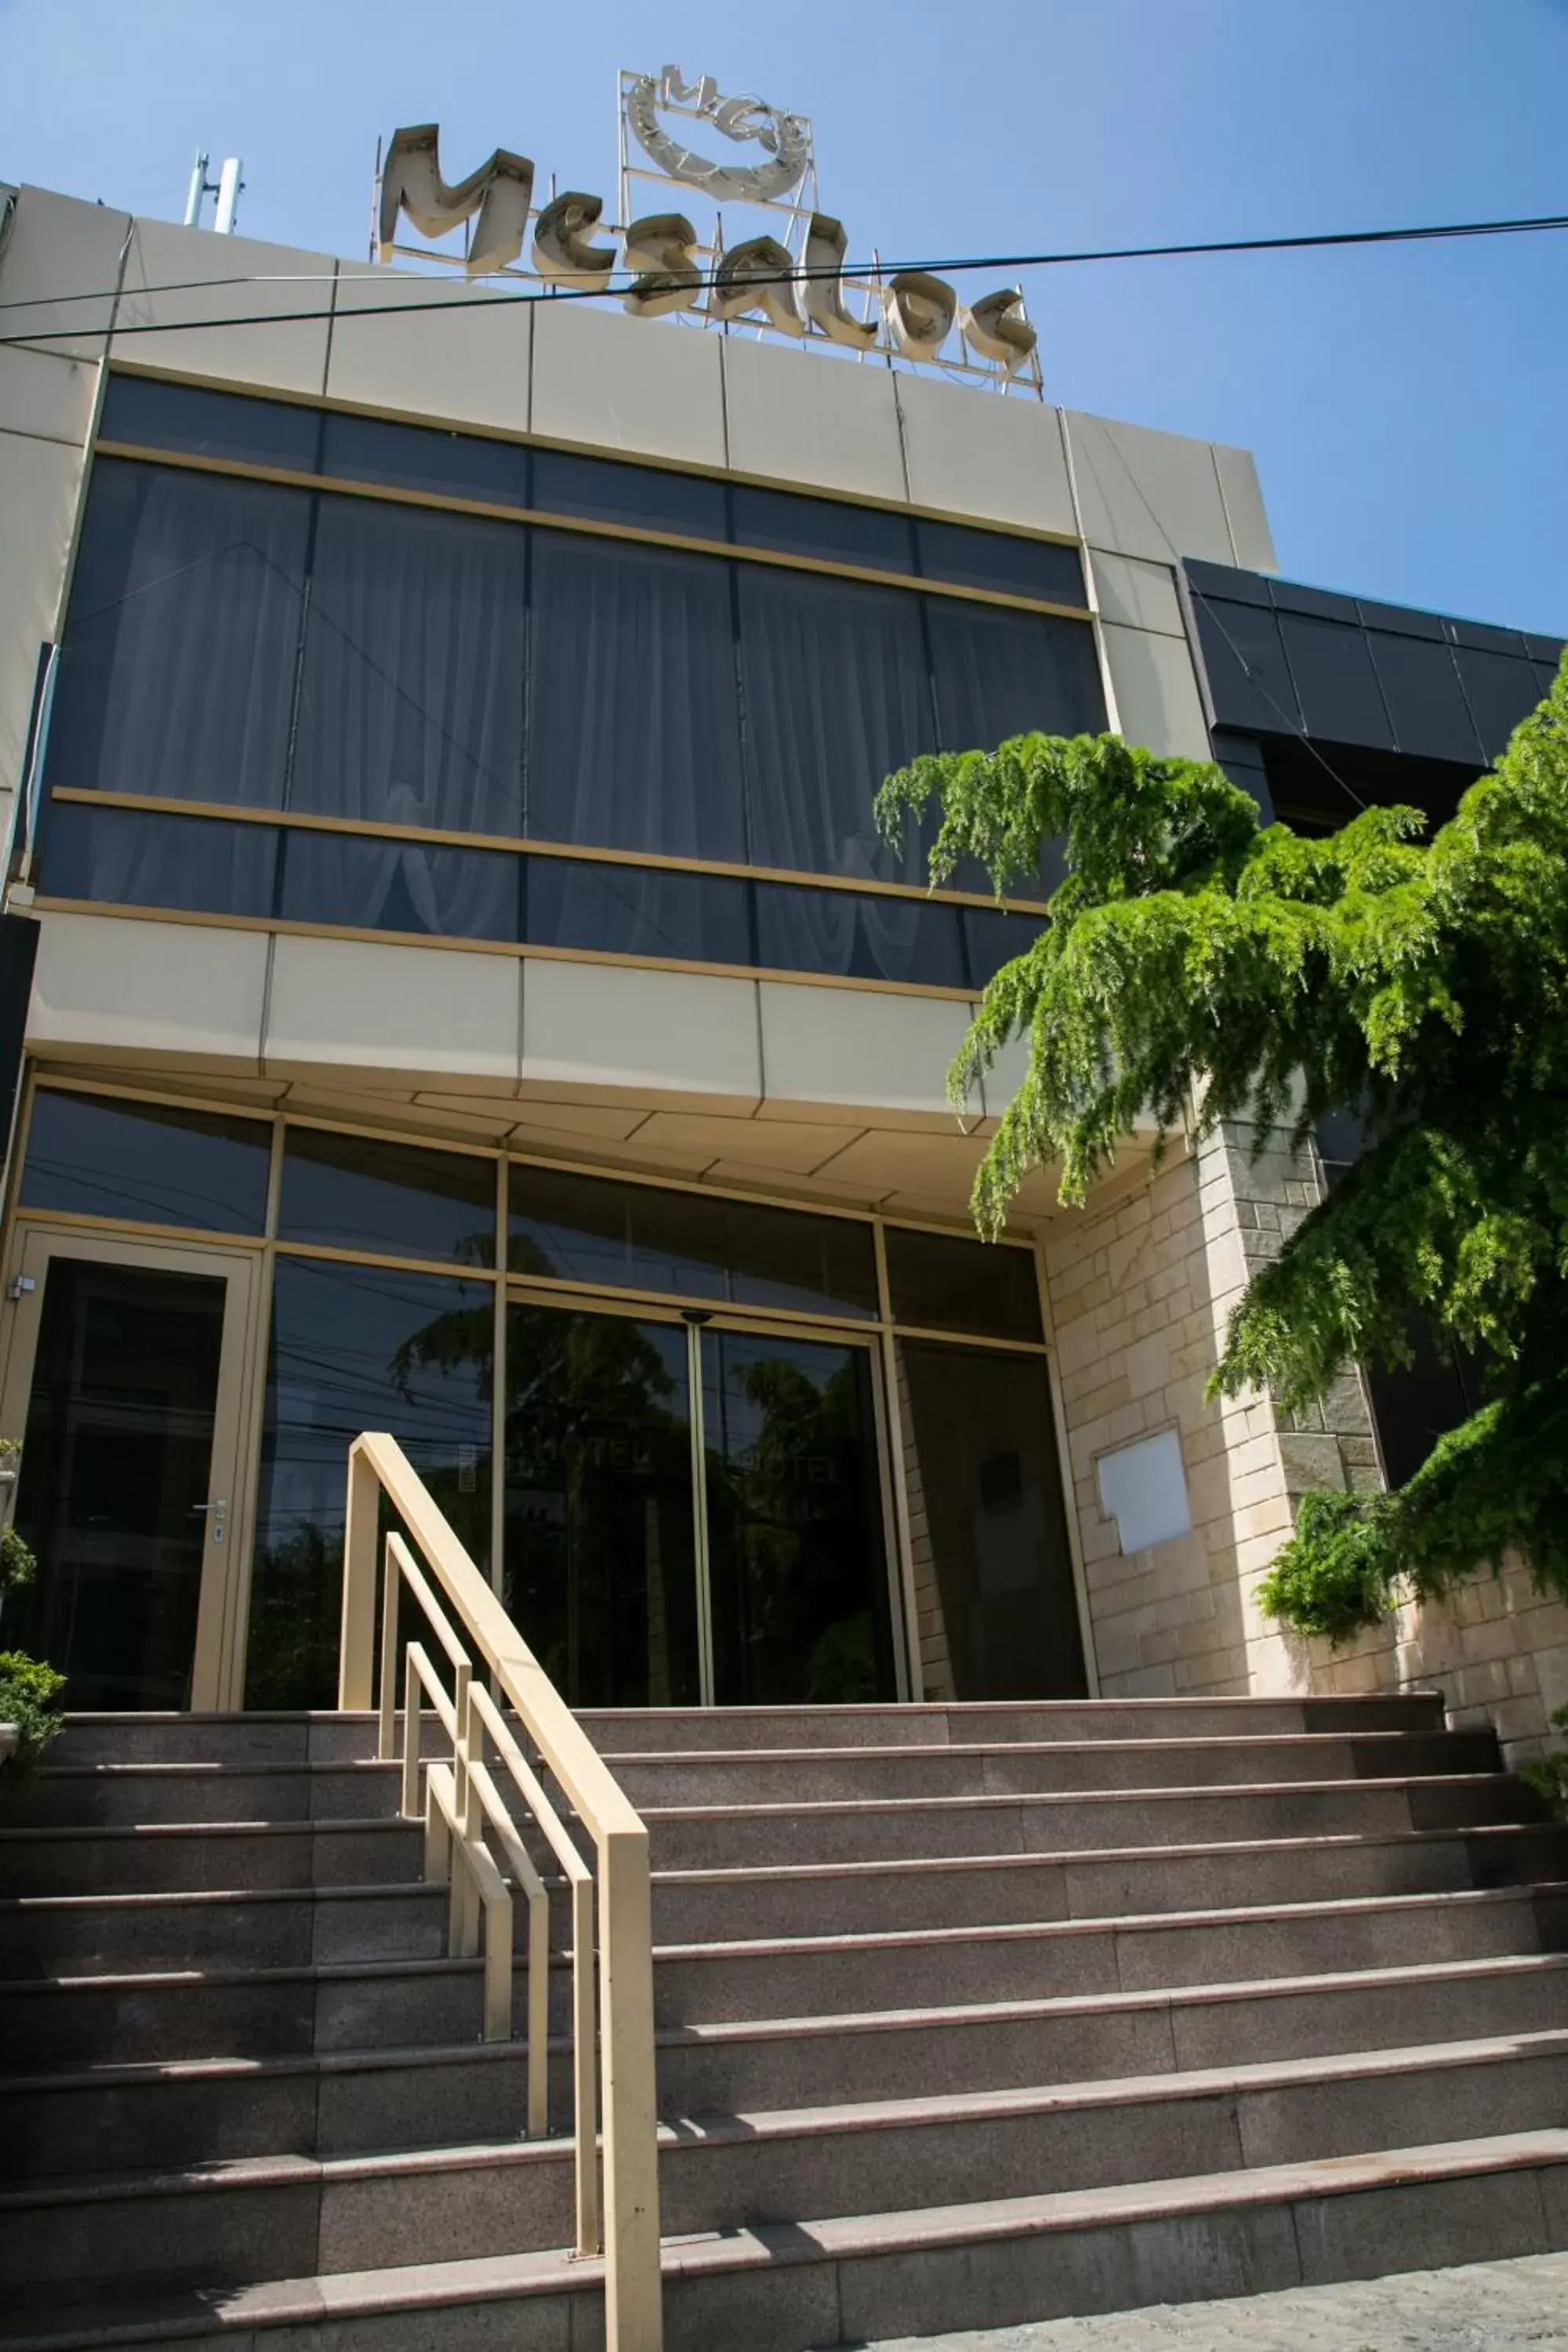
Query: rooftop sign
788	283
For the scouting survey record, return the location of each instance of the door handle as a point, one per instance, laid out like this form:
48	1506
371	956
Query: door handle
209	1507
219	1514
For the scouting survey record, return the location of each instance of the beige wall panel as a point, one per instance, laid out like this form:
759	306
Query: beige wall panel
1156	693
43	393
785	1146
633	384
689	1037
37	504
936	1167
1144	493
291	355
468	364
976	453
883	1053
59	246
800	416
360	1006
1005	1077
1250	532
181	993
1138	595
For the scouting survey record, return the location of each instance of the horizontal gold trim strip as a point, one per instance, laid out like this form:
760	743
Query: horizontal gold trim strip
444	502
515	438
304	821
144	1228
559	1291
523	953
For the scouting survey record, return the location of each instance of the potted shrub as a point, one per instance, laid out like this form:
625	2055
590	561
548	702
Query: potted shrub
30	1711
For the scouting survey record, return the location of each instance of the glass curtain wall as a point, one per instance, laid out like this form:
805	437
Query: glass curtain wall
369	674
680	1471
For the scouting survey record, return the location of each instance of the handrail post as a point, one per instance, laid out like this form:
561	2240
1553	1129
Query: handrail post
356	1651
632	2319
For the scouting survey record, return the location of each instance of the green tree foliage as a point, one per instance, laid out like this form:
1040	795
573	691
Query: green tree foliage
1209	968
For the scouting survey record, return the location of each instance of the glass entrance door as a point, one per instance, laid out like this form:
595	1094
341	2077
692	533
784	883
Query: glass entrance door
694	1509
125	1376
796	1542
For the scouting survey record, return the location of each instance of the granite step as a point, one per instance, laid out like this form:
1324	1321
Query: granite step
167	1856
232	2224
264	1927
193	2110
775	2287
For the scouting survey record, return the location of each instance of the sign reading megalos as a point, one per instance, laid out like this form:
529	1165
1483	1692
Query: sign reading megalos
796	294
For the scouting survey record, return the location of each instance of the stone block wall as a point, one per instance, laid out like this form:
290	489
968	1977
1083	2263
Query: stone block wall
1140	1284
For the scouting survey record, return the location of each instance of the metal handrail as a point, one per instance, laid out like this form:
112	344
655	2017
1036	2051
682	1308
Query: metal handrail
463	1800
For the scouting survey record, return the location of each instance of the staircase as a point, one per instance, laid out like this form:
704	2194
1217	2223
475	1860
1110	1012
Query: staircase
966	2015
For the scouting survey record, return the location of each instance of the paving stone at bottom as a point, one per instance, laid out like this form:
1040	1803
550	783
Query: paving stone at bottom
1508	2306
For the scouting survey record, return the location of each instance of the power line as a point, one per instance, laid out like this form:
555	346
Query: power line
1430	232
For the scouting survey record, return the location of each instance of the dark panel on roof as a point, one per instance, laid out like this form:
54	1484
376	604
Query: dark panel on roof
1335	681
1426	702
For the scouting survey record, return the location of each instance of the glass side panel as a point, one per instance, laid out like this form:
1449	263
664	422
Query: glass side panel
637	911
411	686
352	1192
999	673
186	606
116	1466
129	858
633	734
797	1560
381	885
942	1283
156	415
421	458
589	1229
356	1348
909	940
993	938
995	558
600	1543
993	1583
873	536
88	1155
600	490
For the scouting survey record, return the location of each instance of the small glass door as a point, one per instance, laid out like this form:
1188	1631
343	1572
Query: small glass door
125	1378
796	1554
600	1528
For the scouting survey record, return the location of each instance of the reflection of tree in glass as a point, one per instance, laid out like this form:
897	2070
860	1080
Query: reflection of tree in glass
792	1532
598	1487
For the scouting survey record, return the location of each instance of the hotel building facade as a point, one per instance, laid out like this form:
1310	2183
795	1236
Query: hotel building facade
456	988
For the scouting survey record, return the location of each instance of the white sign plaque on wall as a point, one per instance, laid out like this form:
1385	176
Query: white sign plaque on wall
737	152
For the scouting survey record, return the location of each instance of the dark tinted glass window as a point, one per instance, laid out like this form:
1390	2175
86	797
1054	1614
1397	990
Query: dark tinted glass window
640	1236
627	910
349	1191
416	457
602	491
999	673
178	672
1500	692
940	1282
821	527
1261	697
994	559
994	939
1335	681
210	424
191	865
634	738
410	691
1426	702
864	939
997	1609
837	695
400	885
88	1156
356	1348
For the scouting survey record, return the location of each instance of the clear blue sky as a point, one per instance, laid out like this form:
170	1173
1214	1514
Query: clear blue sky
1407	408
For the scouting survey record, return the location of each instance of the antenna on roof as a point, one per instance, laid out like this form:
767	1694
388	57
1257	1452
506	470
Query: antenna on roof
227	188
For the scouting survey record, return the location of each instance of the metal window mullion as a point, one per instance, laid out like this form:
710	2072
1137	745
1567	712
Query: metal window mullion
705	1680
